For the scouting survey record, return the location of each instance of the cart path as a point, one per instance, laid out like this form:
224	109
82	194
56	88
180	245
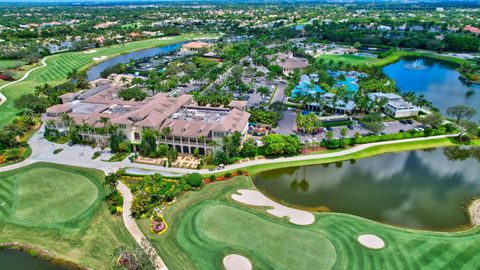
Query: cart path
3	98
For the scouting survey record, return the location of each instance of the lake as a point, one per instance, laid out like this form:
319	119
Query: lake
417	189
18	260
94	72
437	80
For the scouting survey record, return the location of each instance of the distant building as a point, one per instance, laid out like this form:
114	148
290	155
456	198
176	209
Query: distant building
417	28
288	62
384	28
396	106
104	25
195	46
472	29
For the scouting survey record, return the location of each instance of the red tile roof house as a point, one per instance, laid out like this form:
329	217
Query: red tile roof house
195	46
191	126
472	29
288	62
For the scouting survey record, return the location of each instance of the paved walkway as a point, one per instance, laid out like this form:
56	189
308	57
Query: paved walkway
25	76
132	227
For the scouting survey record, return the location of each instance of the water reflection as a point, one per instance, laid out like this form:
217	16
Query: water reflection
439	82
94	72
420	189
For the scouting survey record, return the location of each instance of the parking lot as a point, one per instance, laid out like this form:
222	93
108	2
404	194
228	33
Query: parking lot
390	128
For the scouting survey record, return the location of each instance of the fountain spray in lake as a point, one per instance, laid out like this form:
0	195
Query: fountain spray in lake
416	65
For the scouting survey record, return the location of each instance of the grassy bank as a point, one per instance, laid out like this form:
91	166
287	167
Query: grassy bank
207	225
60	209
59	65
395	56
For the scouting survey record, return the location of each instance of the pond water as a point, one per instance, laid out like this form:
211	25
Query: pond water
18	260
437	80
94	72
417	189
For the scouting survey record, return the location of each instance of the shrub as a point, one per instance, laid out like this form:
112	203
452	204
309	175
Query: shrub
239	172
212	178
194	180
228	174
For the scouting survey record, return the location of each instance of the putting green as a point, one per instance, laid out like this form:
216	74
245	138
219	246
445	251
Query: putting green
49	196
286	247
45	195
59	208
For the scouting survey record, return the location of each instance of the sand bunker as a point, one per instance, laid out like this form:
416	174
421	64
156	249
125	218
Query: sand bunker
256	198
236	262
99	58
371	241
91	51
475	212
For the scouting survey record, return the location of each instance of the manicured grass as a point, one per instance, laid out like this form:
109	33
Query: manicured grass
7	64
33	207
60	208
357	60
207	225
60	64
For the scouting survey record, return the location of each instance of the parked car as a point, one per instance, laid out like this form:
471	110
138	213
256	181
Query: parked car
403	121
350	127
329	128
409	121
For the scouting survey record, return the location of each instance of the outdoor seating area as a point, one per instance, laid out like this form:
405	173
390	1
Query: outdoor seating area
183	161
186	161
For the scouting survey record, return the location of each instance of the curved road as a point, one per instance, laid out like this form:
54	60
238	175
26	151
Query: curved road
3	98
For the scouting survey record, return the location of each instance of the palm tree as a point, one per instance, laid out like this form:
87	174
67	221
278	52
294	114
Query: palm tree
203	139
72	75
318	97
28	114
104	120
123	80
42	89
165	132
82	79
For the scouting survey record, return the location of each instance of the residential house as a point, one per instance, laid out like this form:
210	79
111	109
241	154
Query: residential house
195	46
288	62
396	106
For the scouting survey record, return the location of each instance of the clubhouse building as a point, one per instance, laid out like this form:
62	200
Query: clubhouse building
288	62
182	123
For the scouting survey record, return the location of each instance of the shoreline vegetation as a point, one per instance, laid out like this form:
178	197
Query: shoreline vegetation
392	58
396	56
42	254
365	153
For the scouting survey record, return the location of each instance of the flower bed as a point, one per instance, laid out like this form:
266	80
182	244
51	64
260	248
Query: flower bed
224	177
158	225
